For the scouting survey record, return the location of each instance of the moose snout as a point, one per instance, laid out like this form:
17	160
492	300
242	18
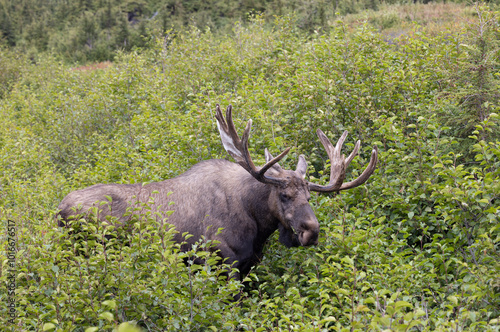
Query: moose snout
308	236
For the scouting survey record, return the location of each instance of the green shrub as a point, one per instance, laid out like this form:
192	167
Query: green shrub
90	275
11	64
415	248
472	82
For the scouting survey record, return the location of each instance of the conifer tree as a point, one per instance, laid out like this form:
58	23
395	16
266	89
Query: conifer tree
474	84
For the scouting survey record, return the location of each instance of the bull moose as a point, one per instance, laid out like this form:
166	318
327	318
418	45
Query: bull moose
247	201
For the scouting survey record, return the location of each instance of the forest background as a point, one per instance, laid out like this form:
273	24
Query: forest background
97	91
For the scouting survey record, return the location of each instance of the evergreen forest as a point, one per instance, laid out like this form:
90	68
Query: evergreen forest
107	91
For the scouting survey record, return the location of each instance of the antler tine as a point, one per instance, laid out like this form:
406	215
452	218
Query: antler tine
366	173
230	123
238	148
230	142
339	165
337	161
353	153
273	161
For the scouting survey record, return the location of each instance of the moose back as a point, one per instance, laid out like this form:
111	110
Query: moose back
250	203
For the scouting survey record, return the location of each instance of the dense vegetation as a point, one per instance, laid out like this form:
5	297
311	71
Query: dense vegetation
415	248
95	30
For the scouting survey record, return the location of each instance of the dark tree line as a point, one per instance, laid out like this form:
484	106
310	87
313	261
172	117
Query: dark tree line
94	30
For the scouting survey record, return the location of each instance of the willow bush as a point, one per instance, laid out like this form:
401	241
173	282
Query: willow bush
415	248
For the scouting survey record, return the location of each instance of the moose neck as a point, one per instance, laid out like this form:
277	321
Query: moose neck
259	203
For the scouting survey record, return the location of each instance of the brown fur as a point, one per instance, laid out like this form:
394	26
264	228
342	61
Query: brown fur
220	194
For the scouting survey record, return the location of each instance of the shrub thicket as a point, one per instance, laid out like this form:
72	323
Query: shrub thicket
473	83
416	248
95	30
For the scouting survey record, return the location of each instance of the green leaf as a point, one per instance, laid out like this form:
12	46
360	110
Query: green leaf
362	307
419	313
107	315
110	304
348	260
344	291
128	327
413	324
48	326
327	319
401	304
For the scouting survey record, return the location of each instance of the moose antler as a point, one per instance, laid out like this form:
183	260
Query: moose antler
238	148
339	165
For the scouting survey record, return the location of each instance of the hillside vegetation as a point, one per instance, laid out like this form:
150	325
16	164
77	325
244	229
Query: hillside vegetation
96	30
416	248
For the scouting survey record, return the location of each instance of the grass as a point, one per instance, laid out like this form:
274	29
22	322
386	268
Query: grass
93	66
434	18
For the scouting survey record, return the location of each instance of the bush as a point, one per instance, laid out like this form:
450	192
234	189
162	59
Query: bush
93	276
11	64
415	248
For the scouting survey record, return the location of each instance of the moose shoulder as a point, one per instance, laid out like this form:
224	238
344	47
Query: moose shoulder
248	202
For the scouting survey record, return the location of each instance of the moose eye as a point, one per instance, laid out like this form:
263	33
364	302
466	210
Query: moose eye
284	197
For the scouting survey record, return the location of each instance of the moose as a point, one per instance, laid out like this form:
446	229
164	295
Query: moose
248	202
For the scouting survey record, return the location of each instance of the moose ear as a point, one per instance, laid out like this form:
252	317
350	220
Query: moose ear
302	166
270	157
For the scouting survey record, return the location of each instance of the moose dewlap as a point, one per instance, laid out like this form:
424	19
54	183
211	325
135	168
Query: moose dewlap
248	202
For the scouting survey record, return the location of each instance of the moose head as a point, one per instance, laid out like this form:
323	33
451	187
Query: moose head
290	192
